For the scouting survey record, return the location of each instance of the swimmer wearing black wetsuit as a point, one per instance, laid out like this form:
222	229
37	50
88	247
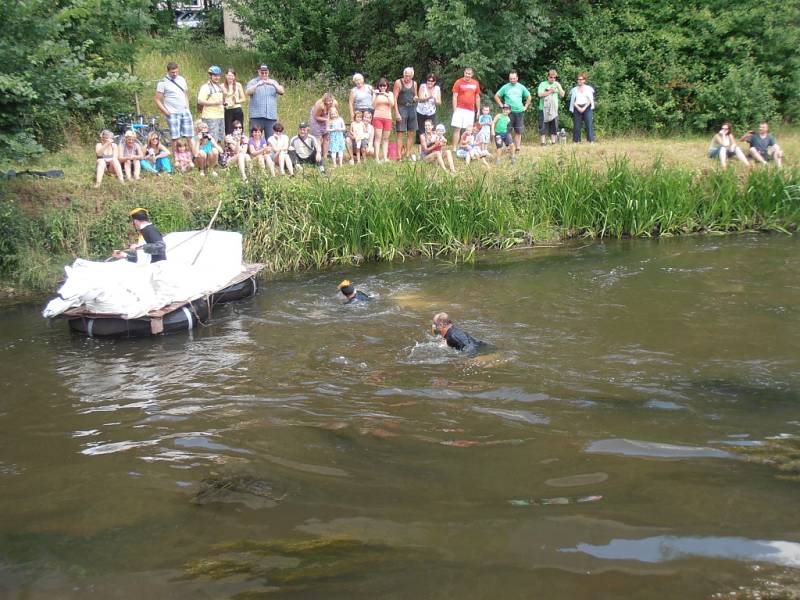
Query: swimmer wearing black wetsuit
351	293
455	337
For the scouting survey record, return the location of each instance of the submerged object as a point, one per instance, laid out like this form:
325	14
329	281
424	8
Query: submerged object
124	299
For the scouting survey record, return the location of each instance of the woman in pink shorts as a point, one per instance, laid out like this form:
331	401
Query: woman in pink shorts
382	102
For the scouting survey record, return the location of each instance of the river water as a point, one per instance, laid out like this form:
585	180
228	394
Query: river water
300	448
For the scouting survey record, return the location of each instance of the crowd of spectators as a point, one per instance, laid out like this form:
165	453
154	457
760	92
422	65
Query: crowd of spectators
410	108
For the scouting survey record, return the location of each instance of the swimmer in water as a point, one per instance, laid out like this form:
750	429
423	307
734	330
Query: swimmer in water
351	293
455	337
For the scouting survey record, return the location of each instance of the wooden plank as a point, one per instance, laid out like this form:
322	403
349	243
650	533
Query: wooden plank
250	270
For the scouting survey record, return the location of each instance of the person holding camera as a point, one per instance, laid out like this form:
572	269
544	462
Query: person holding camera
205	149
264	92
211	101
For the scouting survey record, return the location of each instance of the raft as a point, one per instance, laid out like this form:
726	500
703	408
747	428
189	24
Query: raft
172	318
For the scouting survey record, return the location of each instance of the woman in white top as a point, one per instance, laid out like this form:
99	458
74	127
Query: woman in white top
360	99
581	105
430	98
723	146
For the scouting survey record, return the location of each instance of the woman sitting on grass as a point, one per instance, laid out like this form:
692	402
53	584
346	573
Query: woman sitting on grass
206	150
723	145
433	147
156	155
235	155
259	150
184	161
279	149
107	153
131	155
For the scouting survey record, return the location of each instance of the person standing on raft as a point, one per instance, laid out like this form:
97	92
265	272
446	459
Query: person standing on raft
150	239
454	336
351	293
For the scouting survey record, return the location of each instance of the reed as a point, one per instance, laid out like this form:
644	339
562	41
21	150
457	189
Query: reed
389	212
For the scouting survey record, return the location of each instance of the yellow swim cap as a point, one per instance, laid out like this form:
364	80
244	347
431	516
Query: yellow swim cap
136	210
345	283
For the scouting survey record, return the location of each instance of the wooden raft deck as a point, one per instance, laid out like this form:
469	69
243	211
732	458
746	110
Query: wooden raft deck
157	314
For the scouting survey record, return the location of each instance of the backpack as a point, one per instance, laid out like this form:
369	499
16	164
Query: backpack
550	108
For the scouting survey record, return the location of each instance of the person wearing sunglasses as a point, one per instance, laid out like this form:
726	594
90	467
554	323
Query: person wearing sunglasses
724	146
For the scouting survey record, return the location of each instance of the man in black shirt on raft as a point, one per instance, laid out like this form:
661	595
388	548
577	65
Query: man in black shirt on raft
455	337
150	239
351	293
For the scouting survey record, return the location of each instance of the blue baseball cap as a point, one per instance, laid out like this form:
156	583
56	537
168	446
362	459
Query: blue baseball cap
215	70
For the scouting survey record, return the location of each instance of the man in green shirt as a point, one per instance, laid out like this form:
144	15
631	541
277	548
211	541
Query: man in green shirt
518	98
548	92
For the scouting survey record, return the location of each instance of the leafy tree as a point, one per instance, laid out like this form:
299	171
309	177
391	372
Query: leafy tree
60	62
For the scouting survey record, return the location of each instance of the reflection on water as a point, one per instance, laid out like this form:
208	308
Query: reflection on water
594	446
664	547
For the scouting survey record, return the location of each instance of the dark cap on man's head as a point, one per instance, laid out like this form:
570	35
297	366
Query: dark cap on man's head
263	68
139	214
303	125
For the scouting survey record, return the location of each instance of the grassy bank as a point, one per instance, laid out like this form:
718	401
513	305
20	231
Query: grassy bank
385	212
624	186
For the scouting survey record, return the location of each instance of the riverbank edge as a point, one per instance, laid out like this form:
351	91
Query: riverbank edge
389	212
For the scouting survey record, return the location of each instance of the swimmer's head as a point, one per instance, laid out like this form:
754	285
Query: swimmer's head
440	321
346	287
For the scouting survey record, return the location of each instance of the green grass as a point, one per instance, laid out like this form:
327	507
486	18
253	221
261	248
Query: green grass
627	186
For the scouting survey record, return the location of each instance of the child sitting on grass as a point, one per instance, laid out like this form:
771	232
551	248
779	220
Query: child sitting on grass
183	155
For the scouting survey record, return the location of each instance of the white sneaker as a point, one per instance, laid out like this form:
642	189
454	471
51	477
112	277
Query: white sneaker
352	162
413	158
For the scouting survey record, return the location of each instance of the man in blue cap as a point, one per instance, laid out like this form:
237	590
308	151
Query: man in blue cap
212	104
264	92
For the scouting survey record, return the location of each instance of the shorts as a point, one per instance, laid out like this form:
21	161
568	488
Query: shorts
483	135
361	144
382	123
550	127
714	152
462	152
180	125
463	118
408	119
766	156
503	139
517	122
216	127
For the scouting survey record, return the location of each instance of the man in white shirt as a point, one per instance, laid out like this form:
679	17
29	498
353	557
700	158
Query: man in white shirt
172	100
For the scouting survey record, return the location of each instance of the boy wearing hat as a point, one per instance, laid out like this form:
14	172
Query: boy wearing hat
264	92
211	102
150	239
351	293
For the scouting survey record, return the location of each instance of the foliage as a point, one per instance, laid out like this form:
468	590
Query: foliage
313	221
61	62
683	66
442	36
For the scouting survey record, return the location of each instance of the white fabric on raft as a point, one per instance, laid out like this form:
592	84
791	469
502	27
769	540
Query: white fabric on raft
133	289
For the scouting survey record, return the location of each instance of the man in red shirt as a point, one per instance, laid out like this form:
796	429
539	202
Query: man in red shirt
466	104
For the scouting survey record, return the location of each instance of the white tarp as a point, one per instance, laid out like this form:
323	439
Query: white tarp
198	263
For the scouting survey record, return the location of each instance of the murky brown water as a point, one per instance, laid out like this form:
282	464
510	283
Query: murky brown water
587	456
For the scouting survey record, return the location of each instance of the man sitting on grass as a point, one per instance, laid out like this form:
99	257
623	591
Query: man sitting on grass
763	146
